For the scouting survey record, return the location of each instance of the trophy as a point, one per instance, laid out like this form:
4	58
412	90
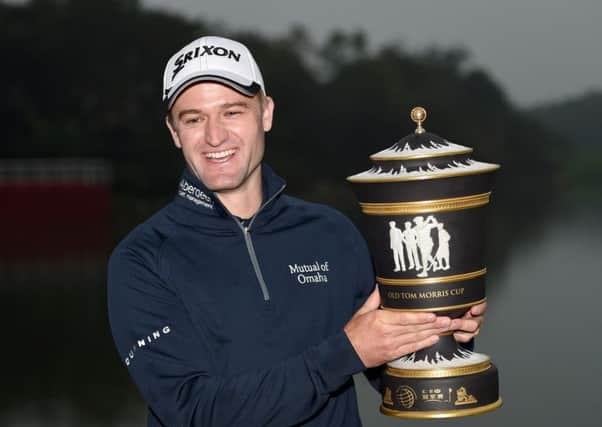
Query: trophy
423	205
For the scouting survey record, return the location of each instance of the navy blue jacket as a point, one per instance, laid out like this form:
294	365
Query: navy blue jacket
223	322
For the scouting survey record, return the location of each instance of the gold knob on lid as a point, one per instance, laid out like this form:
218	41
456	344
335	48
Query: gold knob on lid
418	115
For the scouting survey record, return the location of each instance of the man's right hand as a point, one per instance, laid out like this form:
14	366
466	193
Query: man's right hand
379	336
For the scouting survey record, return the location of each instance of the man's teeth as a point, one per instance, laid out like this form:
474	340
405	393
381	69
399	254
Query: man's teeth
220	154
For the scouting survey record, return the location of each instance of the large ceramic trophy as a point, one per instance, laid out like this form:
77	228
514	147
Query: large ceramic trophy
424	203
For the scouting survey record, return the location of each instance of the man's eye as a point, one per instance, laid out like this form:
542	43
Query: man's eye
233	113
192	120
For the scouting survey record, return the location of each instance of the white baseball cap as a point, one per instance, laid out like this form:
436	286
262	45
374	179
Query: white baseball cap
211	59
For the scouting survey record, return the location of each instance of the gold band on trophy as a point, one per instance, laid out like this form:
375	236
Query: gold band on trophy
431	280
426	206
419	156
439	373
449	307
442	414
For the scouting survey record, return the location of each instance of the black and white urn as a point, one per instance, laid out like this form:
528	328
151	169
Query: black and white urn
424	204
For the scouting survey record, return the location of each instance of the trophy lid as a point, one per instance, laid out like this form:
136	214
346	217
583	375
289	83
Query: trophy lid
421	155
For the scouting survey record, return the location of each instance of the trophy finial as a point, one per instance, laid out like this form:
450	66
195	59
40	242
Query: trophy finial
418	115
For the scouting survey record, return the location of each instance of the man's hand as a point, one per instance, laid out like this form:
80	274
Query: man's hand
469	325
379	336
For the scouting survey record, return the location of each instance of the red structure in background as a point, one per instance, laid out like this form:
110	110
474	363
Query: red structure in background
53	208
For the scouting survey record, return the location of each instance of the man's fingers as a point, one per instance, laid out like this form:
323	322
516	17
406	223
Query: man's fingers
382	335
465	325
414	346
464	336
478	310
404	318
417	331
371	304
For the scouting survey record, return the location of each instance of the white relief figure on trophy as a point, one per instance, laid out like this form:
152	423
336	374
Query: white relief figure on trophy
425	243
442	255
411	242
396	238
417	244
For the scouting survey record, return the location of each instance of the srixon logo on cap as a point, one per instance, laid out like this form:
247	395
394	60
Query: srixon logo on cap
202	51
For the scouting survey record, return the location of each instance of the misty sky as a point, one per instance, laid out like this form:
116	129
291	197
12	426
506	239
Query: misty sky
538	50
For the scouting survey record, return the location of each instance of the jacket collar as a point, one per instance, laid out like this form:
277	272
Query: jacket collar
193	195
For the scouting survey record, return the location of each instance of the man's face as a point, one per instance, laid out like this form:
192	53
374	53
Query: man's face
221	134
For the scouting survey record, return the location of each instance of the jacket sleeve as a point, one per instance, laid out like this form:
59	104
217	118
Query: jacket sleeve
171	363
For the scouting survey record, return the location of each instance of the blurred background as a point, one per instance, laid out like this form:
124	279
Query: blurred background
85	156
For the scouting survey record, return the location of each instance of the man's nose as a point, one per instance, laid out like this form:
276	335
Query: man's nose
215	132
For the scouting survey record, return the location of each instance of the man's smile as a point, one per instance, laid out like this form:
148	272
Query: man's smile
220	156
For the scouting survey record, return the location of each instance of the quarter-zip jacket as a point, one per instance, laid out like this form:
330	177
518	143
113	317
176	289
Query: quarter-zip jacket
222	323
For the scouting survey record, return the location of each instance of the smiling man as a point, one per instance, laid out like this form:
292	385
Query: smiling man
221	134
237	305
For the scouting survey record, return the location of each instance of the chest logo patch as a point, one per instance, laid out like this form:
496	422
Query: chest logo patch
308	274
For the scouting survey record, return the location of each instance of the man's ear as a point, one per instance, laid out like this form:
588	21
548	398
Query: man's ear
267	113
172	131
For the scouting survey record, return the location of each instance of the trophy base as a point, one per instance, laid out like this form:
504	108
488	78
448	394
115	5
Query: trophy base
440	393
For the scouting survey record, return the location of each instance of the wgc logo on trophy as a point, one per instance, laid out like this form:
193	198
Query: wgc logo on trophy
424	204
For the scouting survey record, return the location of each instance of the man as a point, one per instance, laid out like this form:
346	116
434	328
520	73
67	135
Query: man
425	243
236	305
396	245
442	254
409	238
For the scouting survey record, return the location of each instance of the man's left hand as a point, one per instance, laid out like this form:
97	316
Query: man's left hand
468	326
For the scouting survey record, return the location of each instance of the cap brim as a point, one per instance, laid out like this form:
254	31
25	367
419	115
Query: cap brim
250	90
